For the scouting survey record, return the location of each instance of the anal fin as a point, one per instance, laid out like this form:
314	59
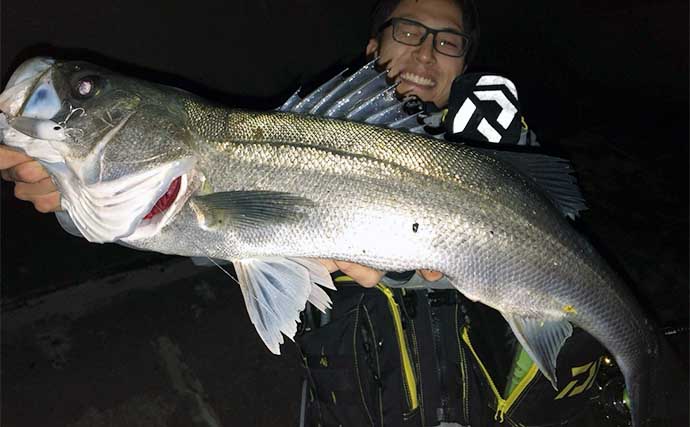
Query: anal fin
542	338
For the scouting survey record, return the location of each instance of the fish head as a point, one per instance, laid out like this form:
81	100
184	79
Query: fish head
117	148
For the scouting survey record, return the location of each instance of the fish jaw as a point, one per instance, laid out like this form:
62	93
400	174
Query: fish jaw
106	211
103	210
22	83
28	104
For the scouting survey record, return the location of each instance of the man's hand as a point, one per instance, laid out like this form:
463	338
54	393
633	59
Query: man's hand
430	275
365	276
369	277
32	182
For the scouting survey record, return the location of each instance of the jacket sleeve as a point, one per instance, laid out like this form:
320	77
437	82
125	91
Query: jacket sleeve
485	108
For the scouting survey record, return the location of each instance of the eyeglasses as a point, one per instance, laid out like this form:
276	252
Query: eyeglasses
413	33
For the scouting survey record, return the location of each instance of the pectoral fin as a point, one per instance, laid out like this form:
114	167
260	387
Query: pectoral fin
248	208
276	290
542	338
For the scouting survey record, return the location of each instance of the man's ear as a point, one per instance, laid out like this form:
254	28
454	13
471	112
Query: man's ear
372	47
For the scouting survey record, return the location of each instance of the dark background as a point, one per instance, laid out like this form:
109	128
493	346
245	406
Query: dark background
604	84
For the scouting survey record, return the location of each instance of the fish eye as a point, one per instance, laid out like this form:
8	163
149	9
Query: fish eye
86	87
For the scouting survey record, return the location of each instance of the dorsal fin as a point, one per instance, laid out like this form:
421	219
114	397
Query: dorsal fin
552	174
364	96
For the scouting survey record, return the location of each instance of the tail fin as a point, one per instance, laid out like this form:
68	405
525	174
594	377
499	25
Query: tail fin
659	392
641	408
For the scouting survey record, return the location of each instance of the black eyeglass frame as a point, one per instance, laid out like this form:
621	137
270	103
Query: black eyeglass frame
393	21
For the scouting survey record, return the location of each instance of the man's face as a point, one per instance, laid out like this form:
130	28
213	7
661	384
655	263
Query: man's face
421	70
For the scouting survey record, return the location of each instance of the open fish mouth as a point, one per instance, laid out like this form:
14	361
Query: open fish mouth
30	82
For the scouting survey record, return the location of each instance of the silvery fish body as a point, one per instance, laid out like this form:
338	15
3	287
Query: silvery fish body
272	191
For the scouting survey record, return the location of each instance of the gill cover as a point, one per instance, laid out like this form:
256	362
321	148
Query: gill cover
111	144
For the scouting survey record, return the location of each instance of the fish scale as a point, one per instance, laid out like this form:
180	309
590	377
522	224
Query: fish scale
495	279
270	191
473	176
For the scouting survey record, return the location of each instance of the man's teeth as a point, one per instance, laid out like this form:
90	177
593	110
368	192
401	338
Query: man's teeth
419	80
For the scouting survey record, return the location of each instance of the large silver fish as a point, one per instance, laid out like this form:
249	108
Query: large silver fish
160	169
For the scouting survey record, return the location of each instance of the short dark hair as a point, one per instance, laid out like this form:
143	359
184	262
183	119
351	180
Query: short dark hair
470	21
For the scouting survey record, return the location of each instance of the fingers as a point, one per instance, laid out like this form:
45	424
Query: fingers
32	182
44	203
25	191
10	158
43	194
431	276
19	167
329	264
28	172
365	276
369	277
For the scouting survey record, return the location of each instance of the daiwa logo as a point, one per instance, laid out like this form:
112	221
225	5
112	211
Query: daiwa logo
496	95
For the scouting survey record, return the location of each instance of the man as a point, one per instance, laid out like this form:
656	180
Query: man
453	362
413	360
424	45
420	70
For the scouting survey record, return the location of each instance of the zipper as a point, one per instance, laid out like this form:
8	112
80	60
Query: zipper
415	357
503	405
463	371
440	353
357	372
379	390
409	383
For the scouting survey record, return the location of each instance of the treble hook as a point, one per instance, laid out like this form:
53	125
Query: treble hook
72	111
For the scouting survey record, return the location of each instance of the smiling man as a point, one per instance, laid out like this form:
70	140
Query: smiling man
393	352
390	355
423	45
406	349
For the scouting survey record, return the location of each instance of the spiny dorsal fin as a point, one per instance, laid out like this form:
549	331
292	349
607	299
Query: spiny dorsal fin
365	96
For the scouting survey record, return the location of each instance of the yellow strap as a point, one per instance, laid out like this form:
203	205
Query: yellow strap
498	416
522	385
341	279
402	344
408	372
503	404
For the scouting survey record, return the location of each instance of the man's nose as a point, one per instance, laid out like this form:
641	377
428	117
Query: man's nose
425	52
